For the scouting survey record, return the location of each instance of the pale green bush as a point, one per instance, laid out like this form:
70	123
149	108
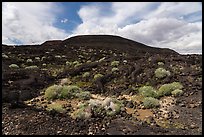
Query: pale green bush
150	102
32	67
70	91
98	76
14	66
148	91
177	92
115	63
166	89
86	74
115	69
161	73
29	61
52	92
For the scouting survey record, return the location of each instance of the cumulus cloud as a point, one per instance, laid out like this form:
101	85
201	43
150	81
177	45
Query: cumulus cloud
165	25
28	23
175	25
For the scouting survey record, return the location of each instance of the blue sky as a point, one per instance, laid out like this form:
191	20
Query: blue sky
175	25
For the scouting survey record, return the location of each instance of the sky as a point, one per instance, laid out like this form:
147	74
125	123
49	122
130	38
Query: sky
174	25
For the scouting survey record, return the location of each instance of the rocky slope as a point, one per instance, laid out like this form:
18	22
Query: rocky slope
113	78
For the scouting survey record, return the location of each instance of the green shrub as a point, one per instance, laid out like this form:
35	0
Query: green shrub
29	61
150	102
86	74
177	92
58	56
68	63
83	112
148	91
161	73
13	66
52	92
85	95
70	91
4	56
160	63
115	63
32	67
98	76
57	107
166	89
37	58
115	69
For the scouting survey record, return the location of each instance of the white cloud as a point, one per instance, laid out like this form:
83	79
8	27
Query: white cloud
64	21
155	24
29	22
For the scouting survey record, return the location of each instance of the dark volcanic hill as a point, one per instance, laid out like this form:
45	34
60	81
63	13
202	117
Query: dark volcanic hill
114	42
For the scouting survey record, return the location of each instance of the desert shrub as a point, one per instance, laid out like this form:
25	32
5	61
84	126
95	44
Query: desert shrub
58	56
177	92
85	95
160	63
14	66
150	102
68	63
84	112
75	62
115	63
70	91
32	67
37	58
29	61
148	91
98	76
88	61
161	73
86	74
57	107
52	92
166	89
4	56
115	69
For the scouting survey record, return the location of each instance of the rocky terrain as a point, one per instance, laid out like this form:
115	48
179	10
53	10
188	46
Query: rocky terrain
100	84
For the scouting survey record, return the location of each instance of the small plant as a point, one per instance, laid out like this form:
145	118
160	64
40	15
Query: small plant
84	112
177	92
29	61
115	69
52	92
4	56
37	58
98	76
166	89
68	63
86	74
14	66
58	56
70	91
161	73
150	102
160	63
32	67
148	91
115	63
57	107
85	95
